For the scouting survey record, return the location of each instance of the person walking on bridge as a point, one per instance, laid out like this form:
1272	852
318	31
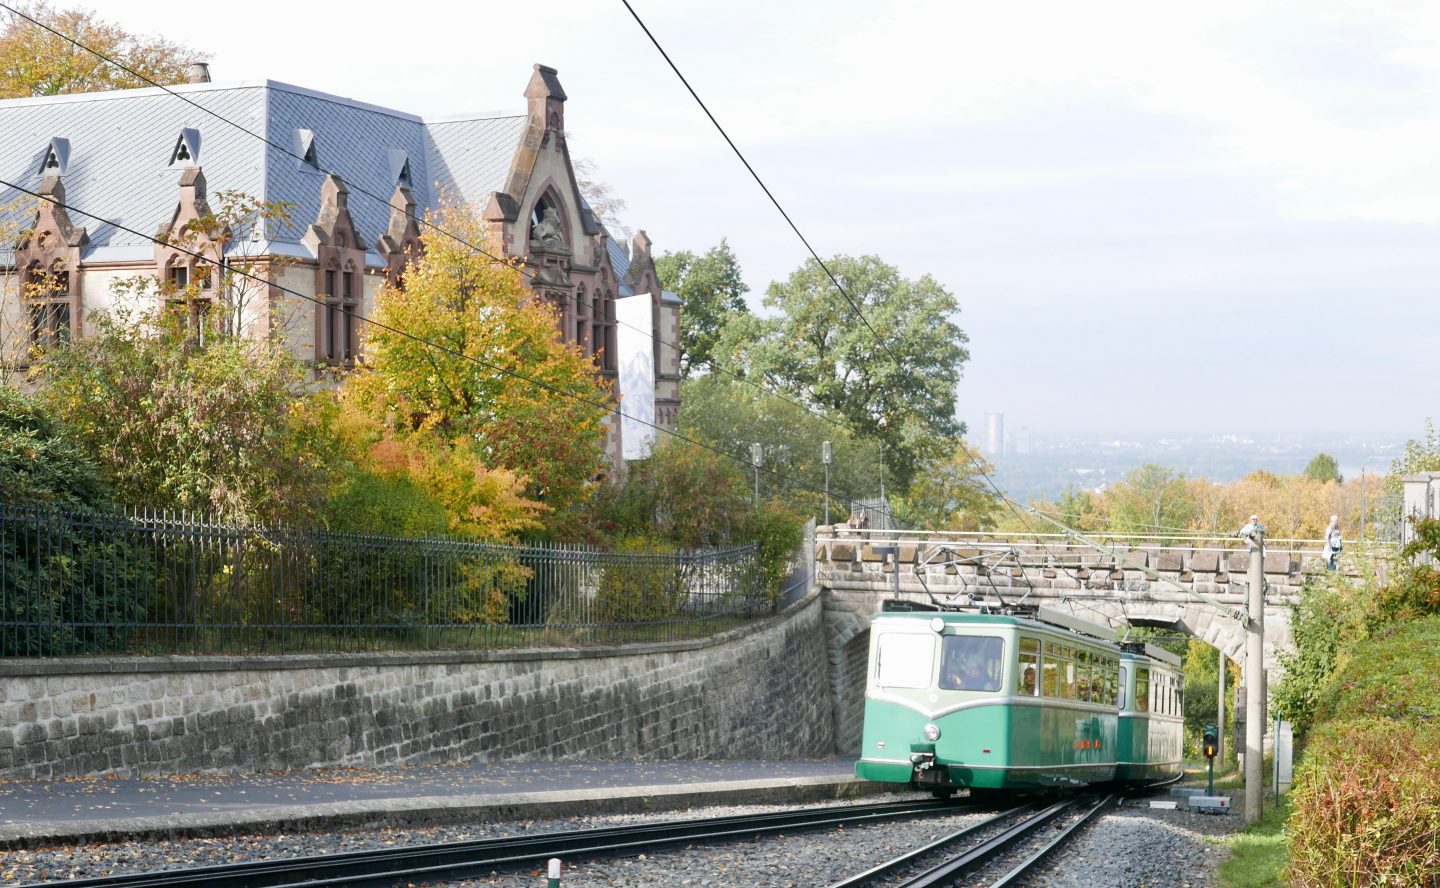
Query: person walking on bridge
1331	552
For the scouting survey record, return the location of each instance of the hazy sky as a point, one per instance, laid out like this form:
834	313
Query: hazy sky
1155	216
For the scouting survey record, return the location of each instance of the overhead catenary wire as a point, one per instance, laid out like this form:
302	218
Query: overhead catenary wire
418	219
507	371
885	346
763	187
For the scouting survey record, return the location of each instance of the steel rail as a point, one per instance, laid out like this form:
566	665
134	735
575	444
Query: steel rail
1013	877
391	866
972	858
947	872
873	875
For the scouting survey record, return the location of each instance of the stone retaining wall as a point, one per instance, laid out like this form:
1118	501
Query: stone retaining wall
758	692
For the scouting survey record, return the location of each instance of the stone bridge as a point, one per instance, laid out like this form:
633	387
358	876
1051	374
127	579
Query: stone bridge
857	571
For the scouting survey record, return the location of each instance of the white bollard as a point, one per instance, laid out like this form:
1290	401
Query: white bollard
554	881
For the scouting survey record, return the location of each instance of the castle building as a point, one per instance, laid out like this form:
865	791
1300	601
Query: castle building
354	175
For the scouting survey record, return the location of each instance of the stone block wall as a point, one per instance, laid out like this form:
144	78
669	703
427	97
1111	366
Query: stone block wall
757	692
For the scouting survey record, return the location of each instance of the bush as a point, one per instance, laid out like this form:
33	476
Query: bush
72	578
778	532
1367	793
644	584
1367	805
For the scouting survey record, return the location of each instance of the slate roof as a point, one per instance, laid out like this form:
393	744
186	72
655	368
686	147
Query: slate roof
121	143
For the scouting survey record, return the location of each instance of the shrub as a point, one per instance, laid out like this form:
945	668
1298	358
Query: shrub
1367	805
72	578
643	584
778	532
1367	793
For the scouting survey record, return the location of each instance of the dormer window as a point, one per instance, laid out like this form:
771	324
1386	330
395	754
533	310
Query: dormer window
307	149
399	163
57	157
187	148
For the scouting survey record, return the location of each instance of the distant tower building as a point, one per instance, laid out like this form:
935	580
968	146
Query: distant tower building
995	434
1022	440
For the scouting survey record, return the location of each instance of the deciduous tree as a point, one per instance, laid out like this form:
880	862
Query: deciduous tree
713	293
175	425
35	62
1323	467
480	358
950	494
899	389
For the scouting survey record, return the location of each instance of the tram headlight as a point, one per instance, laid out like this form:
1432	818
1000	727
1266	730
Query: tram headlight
937	624
932	732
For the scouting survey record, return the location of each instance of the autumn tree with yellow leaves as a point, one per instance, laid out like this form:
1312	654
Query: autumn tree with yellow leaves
36	62
465	356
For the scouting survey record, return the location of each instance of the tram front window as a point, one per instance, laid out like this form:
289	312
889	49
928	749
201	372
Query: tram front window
969	663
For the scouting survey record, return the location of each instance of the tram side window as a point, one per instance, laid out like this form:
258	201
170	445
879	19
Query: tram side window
971	663
1142	690
1068	690
904	660
1027	683
1121	701
1051	684
1083	670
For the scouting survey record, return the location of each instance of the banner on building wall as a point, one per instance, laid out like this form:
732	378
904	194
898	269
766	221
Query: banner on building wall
635	358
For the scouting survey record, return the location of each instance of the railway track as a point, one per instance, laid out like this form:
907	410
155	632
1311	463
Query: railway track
1025	834
454	860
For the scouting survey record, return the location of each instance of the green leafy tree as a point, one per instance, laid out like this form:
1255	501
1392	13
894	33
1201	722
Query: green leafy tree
950	494
713	292
1151	499
175	425
68	588
731	416
900	390
35	62
1323	467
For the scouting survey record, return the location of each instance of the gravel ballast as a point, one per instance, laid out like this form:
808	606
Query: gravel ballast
1128	846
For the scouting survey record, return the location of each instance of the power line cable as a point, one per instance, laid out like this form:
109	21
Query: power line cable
419	219
856	308
609	407
763	187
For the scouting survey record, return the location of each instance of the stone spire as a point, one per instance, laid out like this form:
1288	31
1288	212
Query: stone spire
546	99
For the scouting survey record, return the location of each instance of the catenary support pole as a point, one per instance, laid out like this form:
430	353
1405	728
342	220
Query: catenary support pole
1255	682
1220	713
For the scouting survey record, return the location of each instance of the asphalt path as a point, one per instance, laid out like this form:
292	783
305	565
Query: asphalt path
98	805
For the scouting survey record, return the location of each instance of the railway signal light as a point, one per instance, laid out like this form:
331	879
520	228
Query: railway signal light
1210	744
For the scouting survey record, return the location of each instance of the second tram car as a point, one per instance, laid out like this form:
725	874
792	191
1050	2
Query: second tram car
1006	700
1152	714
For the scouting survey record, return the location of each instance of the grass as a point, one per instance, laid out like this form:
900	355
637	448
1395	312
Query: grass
1259	853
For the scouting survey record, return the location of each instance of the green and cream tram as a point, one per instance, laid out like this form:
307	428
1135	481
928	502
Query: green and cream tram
990	701
1152	714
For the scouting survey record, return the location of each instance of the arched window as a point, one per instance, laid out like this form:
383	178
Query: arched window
47	297
342	299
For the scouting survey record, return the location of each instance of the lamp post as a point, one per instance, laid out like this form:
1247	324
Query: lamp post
825	458
755	454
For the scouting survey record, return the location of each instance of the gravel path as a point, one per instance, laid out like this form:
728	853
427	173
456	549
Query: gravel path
1131	846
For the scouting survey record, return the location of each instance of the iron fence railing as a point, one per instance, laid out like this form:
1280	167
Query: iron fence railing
162	583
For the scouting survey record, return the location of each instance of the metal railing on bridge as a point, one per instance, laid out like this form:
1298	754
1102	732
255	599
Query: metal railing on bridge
163	583
1052	541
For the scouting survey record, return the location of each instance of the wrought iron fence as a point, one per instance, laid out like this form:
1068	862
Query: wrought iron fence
162	583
